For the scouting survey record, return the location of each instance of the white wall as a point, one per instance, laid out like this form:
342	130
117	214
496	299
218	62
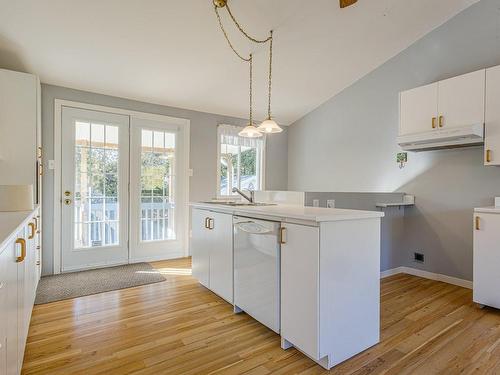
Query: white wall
349	143
203	150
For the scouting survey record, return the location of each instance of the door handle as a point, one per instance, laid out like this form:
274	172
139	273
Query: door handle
478	222
67	202
282	235
22	242
32	233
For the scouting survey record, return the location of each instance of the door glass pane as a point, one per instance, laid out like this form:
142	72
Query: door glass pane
157	185
96	206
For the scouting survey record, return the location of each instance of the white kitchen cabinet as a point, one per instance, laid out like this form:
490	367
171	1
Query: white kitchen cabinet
19	280
221	254
330	293
212	251
461	100
450	103
492	117
300	287
418	109
200	250
486	258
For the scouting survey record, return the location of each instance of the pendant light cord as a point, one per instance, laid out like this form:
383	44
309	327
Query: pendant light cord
251	89
243	31
270	74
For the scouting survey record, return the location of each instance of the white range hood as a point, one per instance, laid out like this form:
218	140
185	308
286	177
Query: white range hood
469	135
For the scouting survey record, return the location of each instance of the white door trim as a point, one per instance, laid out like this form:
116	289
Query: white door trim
58	104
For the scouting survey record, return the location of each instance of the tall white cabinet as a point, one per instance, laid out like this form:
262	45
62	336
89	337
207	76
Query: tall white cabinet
20	131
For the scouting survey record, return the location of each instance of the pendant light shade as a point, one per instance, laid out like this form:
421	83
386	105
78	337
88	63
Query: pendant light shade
269	127
250	131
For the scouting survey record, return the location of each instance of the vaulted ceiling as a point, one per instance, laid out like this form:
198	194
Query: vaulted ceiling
173	53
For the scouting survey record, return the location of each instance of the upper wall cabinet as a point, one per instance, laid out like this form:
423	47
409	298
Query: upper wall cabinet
450	103
461	100
492	117
419	109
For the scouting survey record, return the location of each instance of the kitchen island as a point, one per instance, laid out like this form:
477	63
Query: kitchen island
328	272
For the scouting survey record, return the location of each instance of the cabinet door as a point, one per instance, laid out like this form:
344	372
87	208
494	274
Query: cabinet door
492	117
300	287
461	100
9	258
221	255
200	249
486	259
3	311
22	324
418	107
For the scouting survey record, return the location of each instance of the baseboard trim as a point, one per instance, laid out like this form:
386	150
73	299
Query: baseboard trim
427	275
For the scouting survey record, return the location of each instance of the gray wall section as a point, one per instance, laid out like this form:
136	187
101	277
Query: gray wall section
203	150
392	224
349	143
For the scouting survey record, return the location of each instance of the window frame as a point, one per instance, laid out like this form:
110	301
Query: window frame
261	167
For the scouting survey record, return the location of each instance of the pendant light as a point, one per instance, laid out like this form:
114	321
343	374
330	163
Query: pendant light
269	126
250	131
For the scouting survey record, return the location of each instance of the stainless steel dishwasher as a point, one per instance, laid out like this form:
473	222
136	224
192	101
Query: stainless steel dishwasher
257	270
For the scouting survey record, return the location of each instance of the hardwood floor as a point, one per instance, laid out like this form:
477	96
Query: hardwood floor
179	327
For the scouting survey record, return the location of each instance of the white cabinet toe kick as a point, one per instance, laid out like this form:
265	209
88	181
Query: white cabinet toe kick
329	277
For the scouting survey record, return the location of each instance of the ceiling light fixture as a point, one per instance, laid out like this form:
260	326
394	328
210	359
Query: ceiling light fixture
269	125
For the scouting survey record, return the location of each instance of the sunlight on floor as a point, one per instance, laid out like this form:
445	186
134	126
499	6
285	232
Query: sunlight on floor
170	271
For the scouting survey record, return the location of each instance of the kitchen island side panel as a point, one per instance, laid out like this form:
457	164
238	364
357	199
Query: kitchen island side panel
349	287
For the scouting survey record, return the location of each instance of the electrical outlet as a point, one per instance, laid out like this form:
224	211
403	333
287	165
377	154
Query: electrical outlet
315	202
330	203
419	257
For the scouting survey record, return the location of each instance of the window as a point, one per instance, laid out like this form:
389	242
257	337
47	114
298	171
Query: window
157	185
240	161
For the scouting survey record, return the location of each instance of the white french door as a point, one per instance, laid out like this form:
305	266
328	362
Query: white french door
157	190
95	175
124	188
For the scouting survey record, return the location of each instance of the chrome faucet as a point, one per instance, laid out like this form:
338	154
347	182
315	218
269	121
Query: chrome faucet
250	198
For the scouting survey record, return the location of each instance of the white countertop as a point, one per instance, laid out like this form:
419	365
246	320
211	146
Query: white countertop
491	210
11	222
281	211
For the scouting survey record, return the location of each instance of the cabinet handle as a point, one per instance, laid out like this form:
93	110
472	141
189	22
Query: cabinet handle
441	121
32	233
433	123
36	222
282	235
40	172
206	223
210	223
477	223
39	152
488	156
22	242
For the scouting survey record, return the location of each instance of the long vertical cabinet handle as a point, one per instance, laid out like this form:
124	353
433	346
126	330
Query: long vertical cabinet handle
488	156
282	235
32	233
478	222
22	242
